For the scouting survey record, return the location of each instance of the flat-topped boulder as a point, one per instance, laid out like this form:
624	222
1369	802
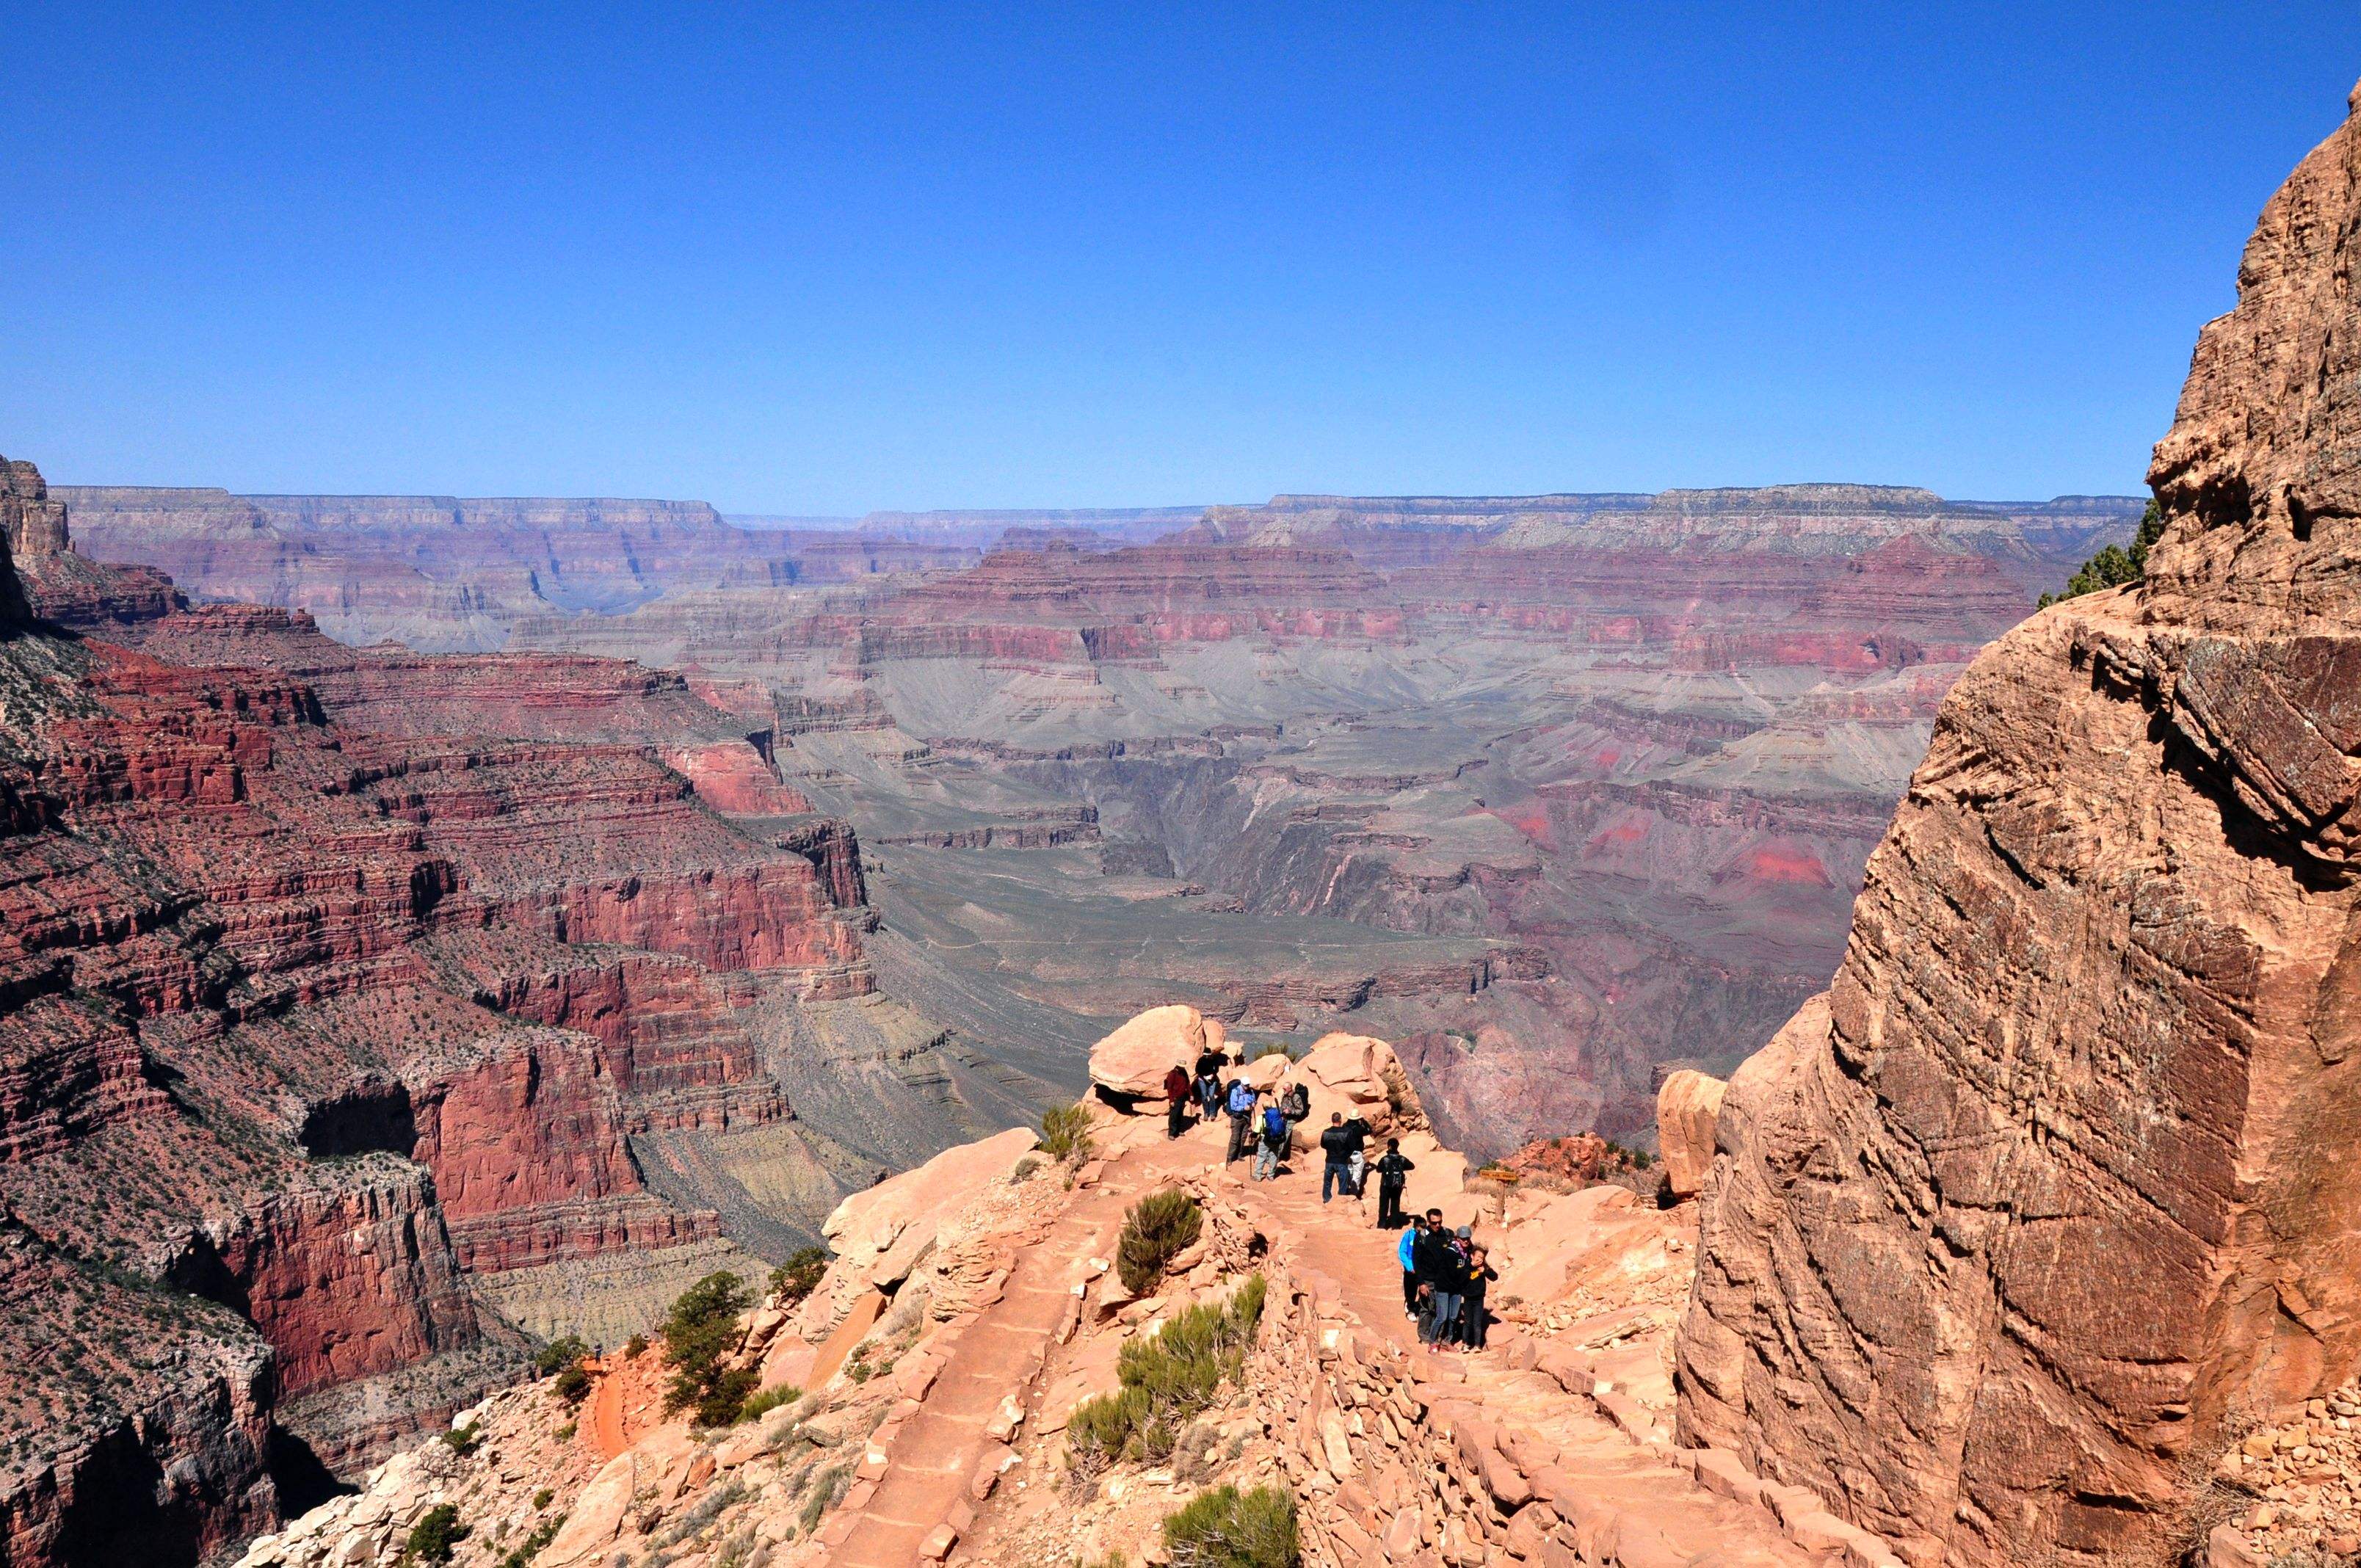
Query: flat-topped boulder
1358	1076
1134	1059
880	1233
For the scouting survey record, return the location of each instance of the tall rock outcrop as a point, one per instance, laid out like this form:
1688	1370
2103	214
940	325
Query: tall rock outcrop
51	579
2052	1196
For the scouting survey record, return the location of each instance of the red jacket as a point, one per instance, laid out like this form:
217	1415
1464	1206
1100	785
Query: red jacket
1176	1085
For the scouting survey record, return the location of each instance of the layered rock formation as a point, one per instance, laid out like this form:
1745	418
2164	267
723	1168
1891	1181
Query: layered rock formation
58	582
439	572
360	1011
1615	762
2048	1200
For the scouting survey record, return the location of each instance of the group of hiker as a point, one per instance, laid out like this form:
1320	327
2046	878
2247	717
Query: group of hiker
1444	1273
1446	1276
1262	1122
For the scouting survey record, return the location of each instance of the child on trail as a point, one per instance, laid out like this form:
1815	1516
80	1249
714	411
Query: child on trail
1472	1318
1393	1170
1358	1132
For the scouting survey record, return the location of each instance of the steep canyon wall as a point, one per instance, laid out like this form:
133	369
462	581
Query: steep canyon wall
2051	1197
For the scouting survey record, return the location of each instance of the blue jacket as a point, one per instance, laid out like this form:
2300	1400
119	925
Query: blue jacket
1242	1098
1410	1239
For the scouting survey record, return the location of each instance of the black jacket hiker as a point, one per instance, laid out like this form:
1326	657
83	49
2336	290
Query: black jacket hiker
1393	1170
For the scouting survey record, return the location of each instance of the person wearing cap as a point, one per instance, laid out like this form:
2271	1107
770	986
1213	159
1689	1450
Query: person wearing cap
1176	1091
1240	1104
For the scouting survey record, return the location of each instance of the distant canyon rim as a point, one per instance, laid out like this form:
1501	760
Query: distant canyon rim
1555	789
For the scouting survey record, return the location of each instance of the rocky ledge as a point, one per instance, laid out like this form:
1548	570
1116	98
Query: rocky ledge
933	1397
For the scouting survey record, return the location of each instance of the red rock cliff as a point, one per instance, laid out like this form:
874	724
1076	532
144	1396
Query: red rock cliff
2052	1196
307	1025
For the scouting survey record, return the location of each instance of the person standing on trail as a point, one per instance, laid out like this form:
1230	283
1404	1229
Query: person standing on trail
1441	1272
1472	1319
1336	1157
1407	1255
1241	1106
1393	1170
1357	1132
1271	1148
1176	1090
1297	1103
1209	1091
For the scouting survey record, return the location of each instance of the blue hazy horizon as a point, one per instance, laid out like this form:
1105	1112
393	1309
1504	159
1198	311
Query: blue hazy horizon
794	261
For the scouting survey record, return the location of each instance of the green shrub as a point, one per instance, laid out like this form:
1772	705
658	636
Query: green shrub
1066	1132
1229	1529
1158	1226
636	1346
769	1400
540	1499
1099	1429
698	1333
436	1536
558	1354
1166	1380
2114	566
466	1440
529	1548
800	1275
827	1489
572	1384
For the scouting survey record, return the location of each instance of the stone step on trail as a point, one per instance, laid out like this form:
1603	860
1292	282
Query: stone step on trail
929	1461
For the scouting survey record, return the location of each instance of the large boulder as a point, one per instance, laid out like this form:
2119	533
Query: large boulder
1688	1108
881	1233
1360	1077
1134	1059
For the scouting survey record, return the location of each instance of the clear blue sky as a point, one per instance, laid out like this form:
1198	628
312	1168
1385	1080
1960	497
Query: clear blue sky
828	259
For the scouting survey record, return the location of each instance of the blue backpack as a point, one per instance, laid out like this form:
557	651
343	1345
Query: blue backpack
1274	1123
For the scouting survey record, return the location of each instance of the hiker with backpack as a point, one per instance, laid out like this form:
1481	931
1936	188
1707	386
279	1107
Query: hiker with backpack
1296	1103
1358	1133
1272	1144
1393	1170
